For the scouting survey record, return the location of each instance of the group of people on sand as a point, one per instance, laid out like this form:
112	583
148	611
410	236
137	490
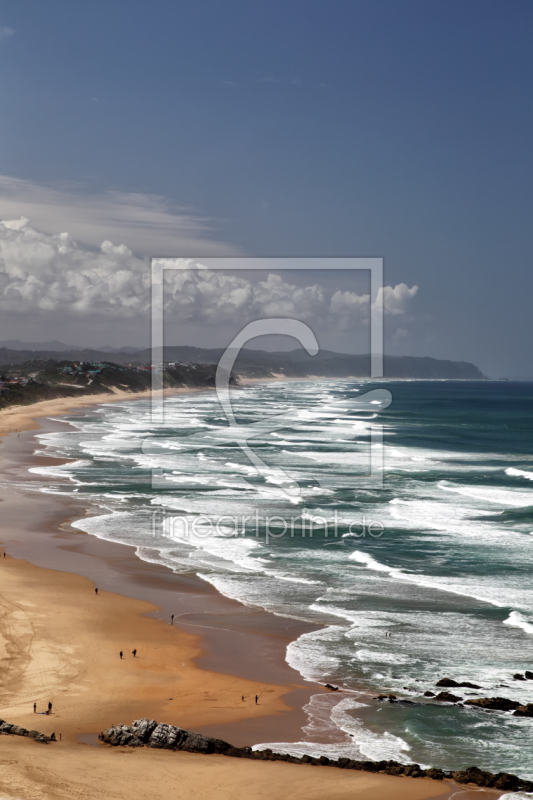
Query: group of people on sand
133	652
47	712
256	698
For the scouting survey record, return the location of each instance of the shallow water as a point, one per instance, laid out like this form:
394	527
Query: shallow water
439	584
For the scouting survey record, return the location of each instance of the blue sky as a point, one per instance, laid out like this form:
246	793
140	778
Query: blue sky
366	128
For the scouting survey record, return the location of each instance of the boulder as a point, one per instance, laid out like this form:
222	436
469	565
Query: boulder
528	675
473	775
504	781
447	697
429	694
435	774
518	677
414	771
16	730
494	703
333	688
143	728
158	739
197	743
449	682
524	711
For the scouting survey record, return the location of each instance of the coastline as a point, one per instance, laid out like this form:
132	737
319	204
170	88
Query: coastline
215	638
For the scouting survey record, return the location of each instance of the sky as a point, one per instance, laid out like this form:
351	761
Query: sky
378	128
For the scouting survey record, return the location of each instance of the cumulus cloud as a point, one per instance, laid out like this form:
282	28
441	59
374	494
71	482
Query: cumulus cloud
148	224
48	274
396	299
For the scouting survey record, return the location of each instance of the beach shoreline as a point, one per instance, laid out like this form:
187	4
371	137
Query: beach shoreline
71	561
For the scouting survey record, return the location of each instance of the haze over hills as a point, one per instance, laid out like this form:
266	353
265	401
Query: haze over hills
59	347
254	363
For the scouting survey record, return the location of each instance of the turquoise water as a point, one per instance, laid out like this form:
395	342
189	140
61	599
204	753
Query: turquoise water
438	586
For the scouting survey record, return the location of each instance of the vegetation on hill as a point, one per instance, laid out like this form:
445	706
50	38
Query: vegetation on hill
33	381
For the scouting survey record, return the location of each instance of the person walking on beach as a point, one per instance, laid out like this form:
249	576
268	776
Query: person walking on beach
134	652
242	698
96	589
35	708
121	654
49	706
172	619
256	699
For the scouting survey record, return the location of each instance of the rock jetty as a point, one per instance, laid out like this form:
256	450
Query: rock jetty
149	733
15	730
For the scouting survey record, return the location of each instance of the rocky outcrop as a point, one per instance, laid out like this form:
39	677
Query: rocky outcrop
390	697
15	730
494	703
501	780
450	683
518	677
149	733
528	675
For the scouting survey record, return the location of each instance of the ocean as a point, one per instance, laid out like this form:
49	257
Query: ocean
419	571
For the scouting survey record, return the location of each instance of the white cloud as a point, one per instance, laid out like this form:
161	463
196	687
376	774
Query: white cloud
6	33
147	223
42	275
396	300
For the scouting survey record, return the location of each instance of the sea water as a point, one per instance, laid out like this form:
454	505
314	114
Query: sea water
420	573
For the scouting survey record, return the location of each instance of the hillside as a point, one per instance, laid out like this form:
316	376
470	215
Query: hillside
34	381
262	364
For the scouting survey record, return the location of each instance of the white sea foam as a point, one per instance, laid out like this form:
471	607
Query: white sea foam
519	473
491	494
518	620
329	719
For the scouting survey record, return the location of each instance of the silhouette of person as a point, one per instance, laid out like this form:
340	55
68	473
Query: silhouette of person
121	654
172	619
134	652
96	589
35	708
49	706
256	699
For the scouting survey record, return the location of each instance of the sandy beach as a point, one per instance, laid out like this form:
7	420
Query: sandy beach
60	642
